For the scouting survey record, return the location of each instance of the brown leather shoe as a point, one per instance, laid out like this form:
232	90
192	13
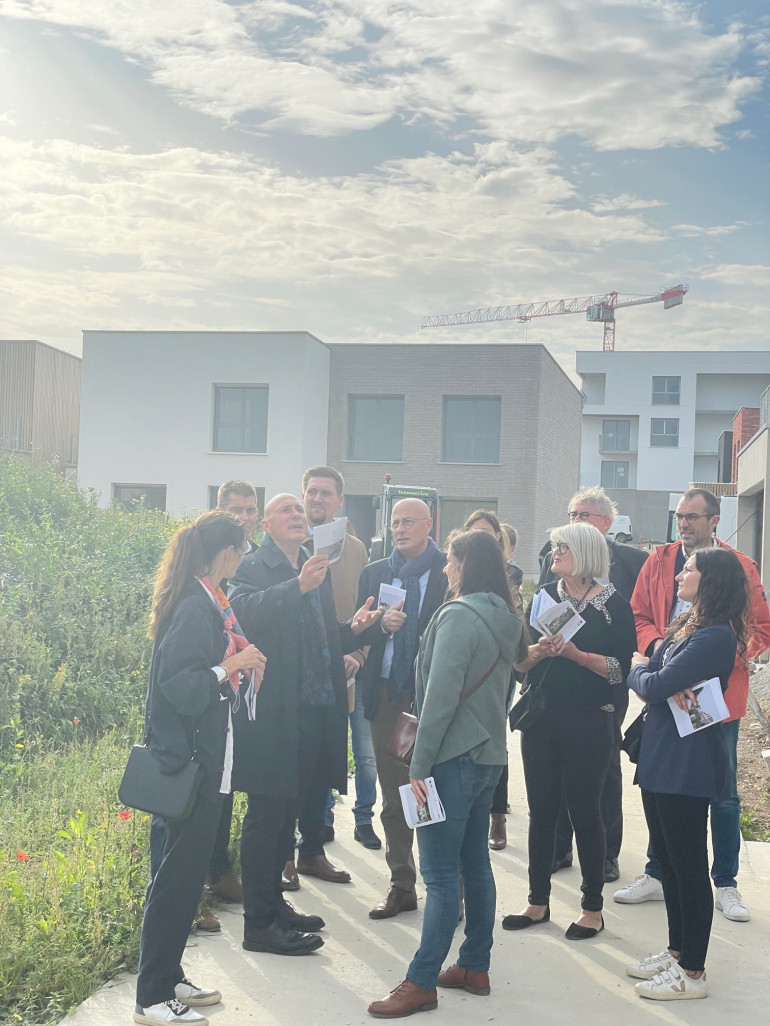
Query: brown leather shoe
466	979
289	878
497	835
205	919
319	866
395	901
227	887
406	999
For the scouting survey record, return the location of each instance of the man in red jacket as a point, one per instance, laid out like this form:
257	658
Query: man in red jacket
655	603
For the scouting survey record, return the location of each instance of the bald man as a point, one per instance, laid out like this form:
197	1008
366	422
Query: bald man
298	735
387	677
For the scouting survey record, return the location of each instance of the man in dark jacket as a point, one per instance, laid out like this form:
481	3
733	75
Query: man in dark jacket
298	735
593	506
387	677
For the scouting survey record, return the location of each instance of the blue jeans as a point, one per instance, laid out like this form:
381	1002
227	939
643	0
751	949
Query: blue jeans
725	823
366	767
447	850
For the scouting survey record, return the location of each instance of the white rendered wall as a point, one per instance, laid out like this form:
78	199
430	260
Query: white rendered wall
147	409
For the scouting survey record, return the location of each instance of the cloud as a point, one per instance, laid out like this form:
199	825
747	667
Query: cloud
618	74
739	274
604	204
696	230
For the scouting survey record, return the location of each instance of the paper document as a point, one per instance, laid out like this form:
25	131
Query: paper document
389	596
541	601
560	618
422	815
329	539
708	708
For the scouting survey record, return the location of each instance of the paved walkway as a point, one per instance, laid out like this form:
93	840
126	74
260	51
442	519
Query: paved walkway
538	978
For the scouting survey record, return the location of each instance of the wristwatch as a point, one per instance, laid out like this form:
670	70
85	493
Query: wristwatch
221	673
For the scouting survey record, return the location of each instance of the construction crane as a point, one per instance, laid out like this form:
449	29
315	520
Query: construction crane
596	308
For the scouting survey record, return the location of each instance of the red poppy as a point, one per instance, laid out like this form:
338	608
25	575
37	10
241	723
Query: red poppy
76	721
125	814
21	856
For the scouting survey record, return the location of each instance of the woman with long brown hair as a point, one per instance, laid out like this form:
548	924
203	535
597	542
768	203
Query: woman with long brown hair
202	667
680	776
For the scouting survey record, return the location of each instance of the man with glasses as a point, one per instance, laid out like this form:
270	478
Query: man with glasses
387	677
656	604
593	506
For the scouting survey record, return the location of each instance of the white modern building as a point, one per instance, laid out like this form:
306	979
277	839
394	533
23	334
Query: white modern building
167	416
753	480
651	422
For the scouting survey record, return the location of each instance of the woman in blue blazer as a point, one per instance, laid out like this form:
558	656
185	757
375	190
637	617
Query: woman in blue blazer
680	776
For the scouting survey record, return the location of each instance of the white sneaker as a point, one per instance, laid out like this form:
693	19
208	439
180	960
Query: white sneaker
651	966
731	905
644	888
189	994
673	985
169	1011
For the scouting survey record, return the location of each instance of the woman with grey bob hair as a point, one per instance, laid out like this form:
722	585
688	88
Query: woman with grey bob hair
590	555
570	744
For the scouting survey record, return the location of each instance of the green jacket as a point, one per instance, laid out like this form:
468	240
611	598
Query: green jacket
463	640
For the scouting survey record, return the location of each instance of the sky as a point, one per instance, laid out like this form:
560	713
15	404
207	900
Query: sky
346	167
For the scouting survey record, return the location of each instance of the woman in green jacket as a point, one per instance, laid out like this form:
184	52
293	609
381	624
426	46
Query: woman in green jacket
461	685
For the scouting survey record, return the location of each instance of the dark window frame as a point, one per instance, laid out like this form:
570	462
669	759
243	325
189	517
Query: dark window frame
244	425
663	395
448	456
137	503
358	438
605	483
658	438
618	448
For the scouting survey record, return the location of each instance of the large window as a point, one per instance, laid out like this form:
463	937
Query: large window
376	428
616	436
664	431
471	430
615	474
140	496
665	391
240	418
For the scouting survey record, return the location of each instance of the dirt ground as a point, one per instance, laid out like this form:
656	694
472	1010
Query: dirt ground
753	777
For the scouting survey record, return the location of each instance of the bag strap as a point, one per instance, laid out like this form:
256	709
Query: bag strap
478	684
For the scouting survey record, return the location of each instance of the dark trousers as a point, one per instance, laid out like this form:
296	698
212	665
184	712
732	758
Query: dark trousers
267	840
569	749
220	857
677	825
179	859
612	803
500	797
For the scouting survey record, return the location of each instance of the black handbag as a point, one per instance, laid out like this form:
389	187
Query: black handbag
528	710
150	788
632	739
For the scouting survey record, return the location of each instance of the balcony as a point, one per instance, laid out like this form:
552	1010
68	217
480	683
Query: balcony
611	445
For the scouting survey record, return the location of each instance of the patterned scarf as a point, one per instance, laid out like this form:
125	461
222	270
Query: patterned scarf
236	641
405	641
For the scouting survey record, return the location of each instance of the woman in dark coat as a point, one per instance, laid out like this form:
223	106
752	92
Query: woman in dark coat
202	666
680	776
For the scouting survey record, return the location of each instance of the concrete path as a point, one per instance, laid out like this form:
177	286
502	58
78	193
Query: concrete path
538	978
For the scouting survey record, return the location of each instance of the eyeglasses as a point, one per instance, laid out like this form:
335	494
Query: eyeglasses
561	548
583	515
406	522
690	518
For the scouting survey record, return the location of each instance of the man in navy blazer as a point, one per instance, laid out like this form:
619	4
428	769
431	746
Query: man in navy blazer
387	678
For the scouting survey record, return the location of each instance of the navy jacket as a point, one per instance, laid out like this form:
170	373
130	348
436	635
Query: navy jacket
185	711
372	576
696	765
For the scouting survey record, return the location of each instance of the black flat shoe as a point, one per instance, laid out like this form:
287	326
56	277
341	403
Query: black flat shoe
576	932
524	922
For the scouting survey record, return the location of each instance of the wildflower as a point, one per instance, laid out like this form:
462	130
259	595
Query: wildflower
21	856
76	721
125	814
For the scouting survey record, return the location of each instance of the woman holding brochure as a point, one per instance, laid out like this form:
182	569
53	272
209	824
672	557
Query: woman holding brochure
569	746
462	677
680	775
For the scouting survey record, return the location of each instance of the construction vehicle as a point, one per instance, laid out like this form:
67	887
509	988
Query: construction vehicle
382	542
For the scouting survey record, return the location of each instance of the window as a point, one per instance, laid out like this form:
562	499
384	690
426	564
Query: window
375	427
664	431
140	496
614	474
454	512
240	418
472	430
616	436
665	391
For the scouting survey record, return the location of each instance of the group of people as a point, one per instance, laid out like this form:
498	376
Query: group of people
251	669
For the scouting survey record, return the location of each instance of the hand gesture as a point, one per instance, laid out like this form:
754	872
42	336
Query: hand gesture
312	573
365	616
352	666
639	660
394	618
249	658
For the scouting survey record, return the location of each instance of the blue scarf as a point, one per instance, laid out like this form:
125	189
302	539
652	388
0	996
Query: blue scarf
406	641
